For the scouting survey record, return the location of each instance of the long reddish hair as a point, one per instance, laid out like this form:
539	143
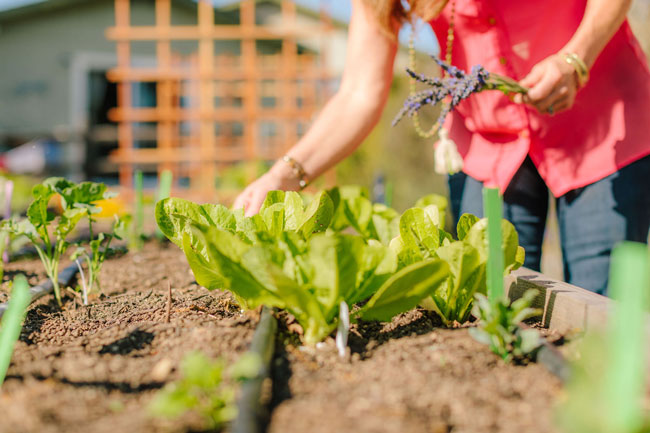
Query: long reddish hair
390	13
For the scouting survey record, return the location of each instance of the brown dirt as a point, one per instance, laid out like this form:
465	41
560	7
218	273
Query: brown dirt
95	368
409	376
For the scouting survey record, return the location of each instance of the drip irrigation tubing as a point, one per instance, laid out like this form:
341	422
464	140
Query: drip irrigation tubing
65	277
250	408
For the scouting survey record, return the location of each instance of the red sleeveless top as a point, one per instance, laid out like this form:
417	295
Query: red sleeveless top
606	129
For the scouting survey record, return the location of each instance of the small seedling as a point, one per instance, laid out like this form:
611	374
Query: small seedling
99	247
499	326
12	322
205	388
76	202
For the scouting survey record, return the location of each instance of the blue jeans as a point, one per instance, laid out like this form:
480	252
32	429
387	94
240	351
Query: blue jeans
592	219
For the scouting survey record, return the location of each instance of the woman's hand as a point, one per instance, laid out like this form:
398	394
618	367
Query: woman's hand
552	85
280	177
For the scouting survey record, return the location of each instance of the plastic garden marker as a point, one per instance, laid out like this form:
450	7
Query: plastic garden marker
629	284
138	226
164	189
388	201
492	210
8	193
12	322
344	328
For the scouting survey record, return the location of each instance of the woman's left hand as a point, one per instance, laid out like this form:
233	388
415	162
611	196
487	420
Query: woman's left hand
552	85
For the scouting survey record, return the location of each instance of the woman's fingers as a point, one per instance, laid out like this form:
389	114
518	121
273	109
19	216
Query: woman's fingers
255	202
556	99
242	199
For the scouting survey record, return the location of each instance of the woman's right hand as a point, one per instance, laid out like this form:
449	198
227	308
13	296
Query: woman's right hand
280	177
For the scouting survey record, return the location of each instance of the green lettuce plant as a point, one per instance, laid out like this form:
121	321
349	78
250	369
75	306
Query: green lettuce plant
49	232
283	258
499	326
421	237
354	210
301	257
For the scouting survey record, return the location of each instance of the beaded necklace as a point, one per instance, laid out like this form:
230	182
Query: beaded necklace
450	41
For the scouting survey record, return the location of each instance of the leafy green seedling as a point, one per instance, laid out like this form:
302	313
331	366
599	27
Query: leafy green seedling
608	383
12	322
164	190
499	328
294	257
99	247
492	210
77	202
467	259
205	388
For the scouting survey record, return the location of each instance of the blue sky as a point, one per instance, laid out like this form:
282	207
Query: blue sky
340	9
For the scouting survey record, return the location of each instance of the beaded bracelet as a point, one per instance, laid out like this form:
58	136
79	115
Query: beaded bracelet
580	67
298	171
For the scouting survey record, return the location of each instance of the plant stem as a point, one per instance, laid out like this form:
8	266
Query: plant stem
83	282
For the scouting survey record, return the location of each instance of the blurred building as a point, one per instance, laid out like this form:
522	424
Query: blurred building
54	84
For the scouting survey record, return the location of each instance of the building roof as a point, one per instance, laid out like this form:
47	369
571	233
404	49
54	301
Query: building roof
14	9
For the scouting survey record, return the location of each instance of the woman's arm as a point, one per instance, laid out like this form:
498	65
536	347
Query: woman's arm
346	119
552	81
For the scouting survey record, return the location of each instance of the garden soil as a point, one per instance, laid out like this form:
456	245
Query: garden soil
409	376
95	368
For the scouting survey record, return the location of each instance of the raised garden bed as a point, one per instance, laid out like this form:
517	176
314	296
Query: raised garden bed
97	367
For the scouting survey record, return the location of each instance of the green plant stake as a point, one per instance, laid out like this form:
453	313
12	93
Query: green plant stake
138	223
164	190
492	209
388	197
12	322
629	284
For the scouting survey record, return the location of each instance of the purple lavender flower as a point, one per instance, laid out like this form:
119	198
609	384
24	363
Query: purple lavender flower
456	86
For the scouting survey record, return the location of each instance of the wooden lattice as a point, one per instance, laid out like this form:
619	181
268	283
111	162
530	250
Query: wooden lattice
199	93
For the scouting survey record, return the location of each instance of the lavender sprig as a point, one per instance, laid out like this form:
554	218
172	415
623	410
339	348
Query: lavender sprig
456	86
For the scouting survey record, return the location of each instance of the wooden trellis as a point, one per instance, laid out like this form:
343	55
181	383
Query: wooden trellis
201	99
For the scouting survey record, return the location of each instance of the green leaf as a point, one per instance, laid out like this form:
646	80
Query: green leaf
293	210
467	277
318	215
84	193
512	253
465	223
272	197
405	289
289	295
439	201
358	212
273	216
175	216
220	266
335	263
68	221
378	265
37	212
248	366
420	237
